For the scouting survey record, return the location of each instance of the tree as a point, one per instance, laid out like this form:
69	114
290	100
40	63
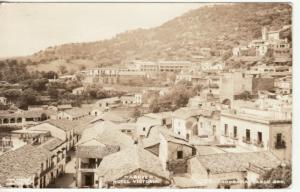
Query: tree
82	67
39	84
227	55
51	75
279	177
101	94
28	97
154	106
12	94
52	92
62	69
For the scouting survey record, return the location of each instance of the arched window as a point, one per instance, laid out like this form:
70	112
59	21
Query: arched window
12	120
5	121
19	120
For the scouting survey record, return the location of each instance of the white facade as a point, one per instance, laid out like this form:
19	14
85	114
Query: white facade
3	100
256	133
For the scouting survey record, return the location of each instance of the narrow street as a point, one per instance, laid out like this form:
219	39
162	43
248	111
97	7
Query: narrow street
67	180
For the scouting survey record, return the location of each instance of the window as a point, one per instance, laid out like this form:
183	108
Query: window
179	154
225	129
187	136
214	129
280	143
248	135
144	128
259	137
235	131
279	138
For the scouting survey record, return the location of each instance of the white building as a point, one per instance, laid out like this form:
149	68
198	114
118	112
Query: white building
257	130
3	100
78	91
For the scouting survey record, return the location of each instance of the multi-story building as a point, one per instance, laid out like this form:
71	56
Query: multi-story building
96	142
24	118
284	85
174	66
233	84
257	130
34	165
147	121
131	99
185	122
271	40
60	128
74	113
162	66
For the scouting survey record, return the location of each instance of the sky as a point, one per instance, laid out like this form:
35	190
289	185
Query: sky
26	28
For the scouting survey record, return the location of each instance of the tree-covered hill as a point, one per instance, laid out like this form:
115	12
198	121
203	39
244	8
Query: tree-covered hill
219	27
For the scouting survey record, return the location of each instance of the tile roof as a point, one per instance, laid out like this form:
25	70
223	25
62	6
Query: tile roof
63	124
185	112
52	144
23	162
96	151
77	112
170	137
82	124
128	160
106	133
114	116
208	150
236	162
161	115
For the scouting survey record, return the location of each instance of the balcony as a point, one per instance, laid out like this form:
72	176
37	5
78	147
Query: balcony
280	145
247	140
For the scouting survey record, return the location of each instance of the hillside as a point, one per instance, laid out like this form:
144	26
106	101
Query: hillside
219	27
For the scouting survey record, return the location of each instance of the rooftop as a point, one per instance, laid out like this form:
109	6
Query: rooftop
23	162
258	117
161	115
106	133
52	144
236	162
63	124
77	112
124	162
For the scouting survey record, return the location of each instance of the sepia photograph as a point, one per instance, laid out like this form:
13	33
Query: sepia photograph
141	95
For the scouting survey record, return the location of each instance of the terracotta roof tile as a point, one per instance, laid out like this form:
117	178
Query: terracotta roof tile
236	162
130	159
